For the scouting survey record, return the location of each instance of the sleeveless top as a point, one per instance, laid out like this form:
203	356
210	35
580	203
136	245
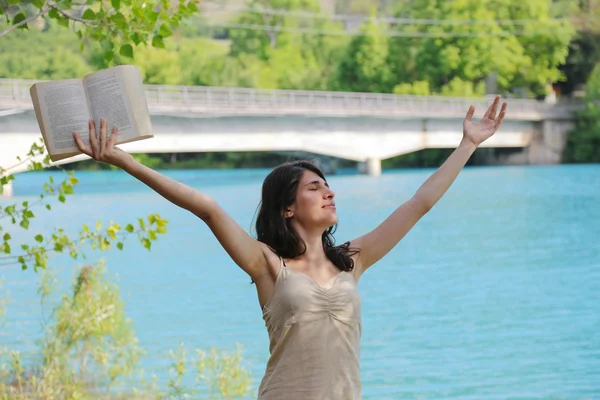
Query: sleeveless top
314	334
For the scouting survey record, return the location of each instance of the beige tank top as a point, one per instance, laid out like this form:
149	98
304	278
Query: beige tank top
314	335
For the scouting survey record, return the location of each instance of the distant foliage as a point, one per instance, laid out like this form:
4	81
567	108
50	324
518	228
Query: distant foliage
583	142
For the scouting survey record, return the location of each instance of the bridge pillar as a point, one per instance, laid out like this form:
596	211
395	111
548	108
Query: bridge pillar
373	166
7	190
549	142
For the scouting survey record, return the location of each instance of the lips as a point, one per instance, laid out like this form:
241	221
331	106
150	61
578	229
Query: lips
331	205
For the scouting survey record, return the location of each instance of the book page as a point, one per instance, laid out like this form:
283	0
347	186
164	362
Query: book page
107	96
63	109
137	95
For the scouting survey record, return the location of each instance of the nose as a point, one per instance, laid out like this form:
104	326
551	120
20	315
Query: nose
329	194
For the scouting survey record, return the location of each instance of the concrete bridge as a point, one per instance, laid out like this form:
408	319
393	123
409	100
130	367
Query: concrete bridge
364	127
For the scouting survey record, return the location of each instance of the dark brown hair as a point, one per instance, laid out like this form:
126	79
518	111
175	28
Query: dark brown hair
272	228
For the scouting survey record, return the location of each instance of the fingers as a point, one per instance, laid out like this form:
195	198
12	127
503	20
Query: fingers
99	146
501	115
113	137
81	146
93	139
470	113
102	137
491	111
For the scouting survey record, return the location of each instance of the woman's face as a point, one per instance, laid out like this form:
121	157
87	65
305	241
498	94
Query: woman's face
314	205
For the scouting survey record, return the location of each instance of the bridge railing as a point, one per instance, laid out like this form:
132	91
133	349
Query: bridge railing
245	100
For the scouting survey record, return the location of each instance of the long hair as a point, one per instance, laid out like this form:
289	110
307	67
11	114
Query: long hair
272	228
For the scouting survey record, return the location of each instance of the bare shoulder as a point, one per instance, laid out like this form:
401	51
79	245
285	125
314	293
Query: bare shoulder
265	283
272	260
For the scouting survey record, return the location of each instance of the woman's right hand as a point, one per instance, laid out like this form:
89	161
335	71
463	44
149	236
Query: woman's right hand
101	149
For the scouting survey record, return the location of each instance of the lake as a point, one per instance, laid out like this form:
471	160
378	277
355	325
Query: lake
495	294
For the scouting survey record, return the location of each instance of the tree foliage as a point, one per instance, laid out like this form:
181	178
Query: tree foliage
583	142
117	25
518	54
364	67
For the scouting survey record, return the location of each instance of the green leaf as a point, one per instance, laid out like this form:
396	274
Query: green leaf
68	189
142	223
62	21
38	3
108	55
25	223
129	228
61	198
192	7
112	233
126	51
25	204
6	236
147	243
119	20
18	18
98	225
28	214
157	41
39	238
135	38
48	207
120	245
152	235
116	4
53	14
89	14
165	31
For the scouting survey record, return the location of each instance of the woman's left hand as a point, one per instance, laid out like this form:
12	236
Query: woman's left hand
476	132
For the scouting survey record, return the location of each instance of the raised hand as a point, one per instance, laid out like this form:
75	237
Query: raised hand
101	149
477	132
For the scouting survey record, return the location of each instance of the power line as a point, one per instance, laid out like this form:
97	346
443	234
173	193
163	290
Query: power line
388	34
391	20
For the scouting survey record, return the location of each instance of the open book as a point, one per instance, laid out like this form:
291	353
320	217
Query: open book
65	106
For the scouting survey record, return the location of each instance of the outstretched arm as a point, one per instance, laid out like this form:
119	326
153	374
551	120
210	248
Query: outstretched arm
245	251
377	243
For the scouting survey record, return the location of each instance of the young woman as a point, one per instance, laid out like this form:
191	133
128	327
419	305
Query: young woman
307	286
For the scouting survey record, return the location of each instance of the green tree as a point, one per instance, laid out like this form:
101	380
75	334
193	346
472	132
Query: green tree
117	25
290	46
364	66
267	28
583	142
518	54
45	55
584	49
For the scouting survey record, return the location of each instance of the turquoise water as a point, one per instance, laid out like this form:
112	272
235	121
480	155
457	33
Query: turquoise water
495	294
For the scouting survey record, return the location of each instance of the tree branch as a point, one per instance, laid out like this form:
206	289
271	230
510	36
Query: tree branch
5	171
71	17
43	12
25	21
11	259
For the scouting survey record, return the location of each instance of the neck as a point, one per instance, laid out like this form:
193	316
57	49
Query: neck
315	253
